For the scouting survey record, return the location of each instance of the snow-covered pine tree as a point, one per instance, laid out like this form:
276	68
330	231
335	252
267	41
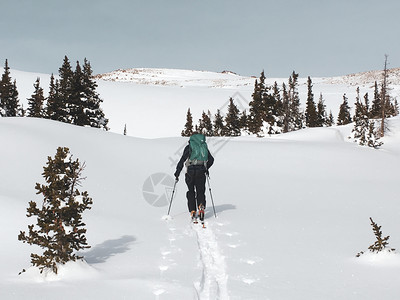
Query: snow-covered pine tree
64	91
296	116
243	119
373	137
322	118
311	110
364	132
330	121
188	130
270	110
218	124
285	109
9	103
256	116
232	124
53	100
59	229
207	127
376	103
76	100
344	116
276	93
94	115
36	101
361	122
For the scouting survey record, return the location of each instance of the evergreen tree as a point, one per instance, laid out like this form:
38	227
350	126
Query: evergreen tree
76	105
366	105
321	112
270	110
188	130
295	115
59	229
257	116
206	124
200	127
54	109
9	104
94	115
396	107
35	102
381	243
311	110
364	132
361	123
243	120
373	137
330	120
218	124
376	103
279	111
64	91
232	120
276	93
344	116
285	109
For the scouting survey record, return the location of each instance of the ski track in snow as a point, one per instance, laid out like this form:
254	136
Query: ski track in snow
213	283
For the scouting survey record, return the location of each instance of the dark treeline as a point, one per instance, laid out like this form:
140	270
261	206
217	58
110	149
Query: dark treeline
72	98
276	109
272	110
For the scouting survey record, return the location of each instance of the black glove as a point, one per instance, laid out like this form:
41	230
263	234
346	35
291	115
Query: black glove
176	174
207	173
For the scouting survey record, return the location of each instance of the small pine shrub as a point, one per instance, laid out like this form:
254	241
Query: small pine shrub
381	243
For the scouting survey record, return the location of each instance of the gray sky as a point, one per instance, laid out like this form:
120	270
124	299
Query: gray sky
312	37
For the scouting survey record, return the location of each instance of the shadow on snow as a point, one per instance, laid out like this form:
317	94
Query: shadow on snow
101	252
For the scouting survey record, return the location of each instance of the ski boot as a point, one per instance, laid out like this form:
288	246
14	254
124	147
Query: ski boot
193	216
201	214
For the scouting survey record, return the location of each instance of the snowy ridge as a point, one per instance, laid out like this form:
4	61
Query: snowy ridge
366	78
176	77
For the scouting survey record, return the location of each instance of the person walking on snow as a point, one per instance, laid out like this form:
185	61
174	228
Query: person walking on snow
198	160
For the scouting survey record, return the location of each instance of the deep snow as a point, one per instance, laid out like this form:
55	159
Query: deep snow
293	210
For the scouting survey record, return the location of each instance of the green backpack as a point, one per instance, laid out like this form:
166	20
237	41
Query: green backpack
198	149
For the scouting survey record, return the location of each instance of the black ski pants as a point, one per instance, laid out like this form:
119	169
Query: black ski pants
196	181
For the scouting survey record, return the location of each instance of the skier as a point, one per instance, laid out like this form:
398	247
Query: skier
198	160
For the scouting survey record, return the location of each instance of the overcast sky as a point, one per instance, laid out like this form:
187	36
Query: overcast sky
313	37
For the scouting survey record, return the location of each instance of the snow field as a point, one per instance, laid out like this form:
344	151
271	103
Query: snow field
293	210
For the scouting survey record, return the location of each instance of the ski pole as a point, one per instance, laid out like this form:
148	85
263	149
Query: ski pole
212	200
172	196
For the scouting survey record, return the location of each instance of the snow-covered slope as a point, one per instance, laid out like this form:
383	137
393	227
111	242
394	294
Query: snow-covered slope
293	211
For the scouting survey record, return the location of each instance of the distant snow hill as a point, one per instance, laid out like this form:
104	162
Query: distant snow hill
176	77
228	79
366	78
